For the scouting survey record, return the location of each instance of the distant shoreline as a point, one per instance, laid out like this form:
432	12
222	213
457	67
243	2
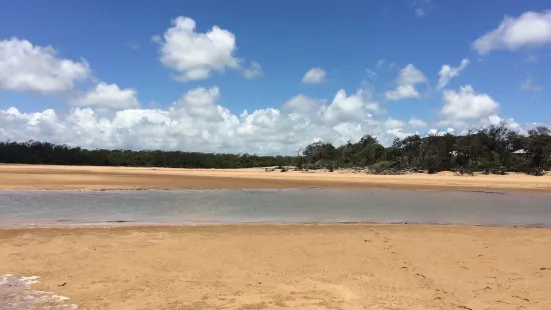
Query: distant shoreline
129	225
44	177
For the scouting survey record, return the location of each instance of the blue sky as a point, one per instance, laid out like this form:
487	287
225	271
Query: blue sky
385	55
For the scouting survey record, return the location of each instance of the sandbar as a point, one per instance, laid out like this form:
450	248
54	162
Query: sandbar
42	177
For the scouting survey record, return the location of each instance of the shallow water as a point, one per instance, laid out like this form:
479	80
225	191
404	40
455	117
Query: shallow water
43	208
15	293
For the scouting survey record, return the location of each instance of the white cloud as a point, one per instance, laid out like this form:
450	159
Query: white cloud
108	96
196	122
432	132
419	12
303	105
462	128
351	108
509	123
26	67
528	84
314	76
417	123
391	123
465	107
193	55
399	133
255	70
531	29
402	92
448	72
408	77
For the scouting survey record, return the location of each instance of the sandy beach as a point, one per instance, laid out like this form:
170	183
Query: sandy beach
21	177
269	266
292	266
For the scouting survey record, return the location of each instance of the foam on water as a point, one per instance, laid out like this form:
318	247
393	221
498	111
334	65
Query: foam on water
16	294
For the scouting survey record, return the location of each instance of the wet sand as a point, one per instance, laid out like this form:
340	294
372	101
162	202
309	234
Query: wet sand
293	266
25	177
268	266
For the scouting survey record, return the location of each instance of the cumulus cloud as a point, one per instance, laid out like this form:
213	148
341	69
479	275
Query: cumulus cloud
108	96
465	107
196	122
314	76
255	70
26	67
108	116
408	77
351	108
391	123
531	29
400	133
402	92
508	122
303	105
448	72
417	123
193	55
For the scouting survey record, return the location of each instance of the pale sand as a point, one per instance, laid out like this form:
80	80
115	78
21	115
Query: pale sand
293	266
271	266
20	177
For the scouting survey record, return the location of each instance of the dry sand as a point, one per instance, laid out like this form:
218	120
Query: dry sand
275	266
18	177
293	266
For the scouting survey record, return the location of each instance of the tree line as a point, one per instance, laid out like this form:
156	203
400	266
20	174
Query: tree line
35	152
495	149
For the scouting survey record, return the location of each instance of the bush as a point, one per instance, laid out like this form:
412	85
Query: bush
384	165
